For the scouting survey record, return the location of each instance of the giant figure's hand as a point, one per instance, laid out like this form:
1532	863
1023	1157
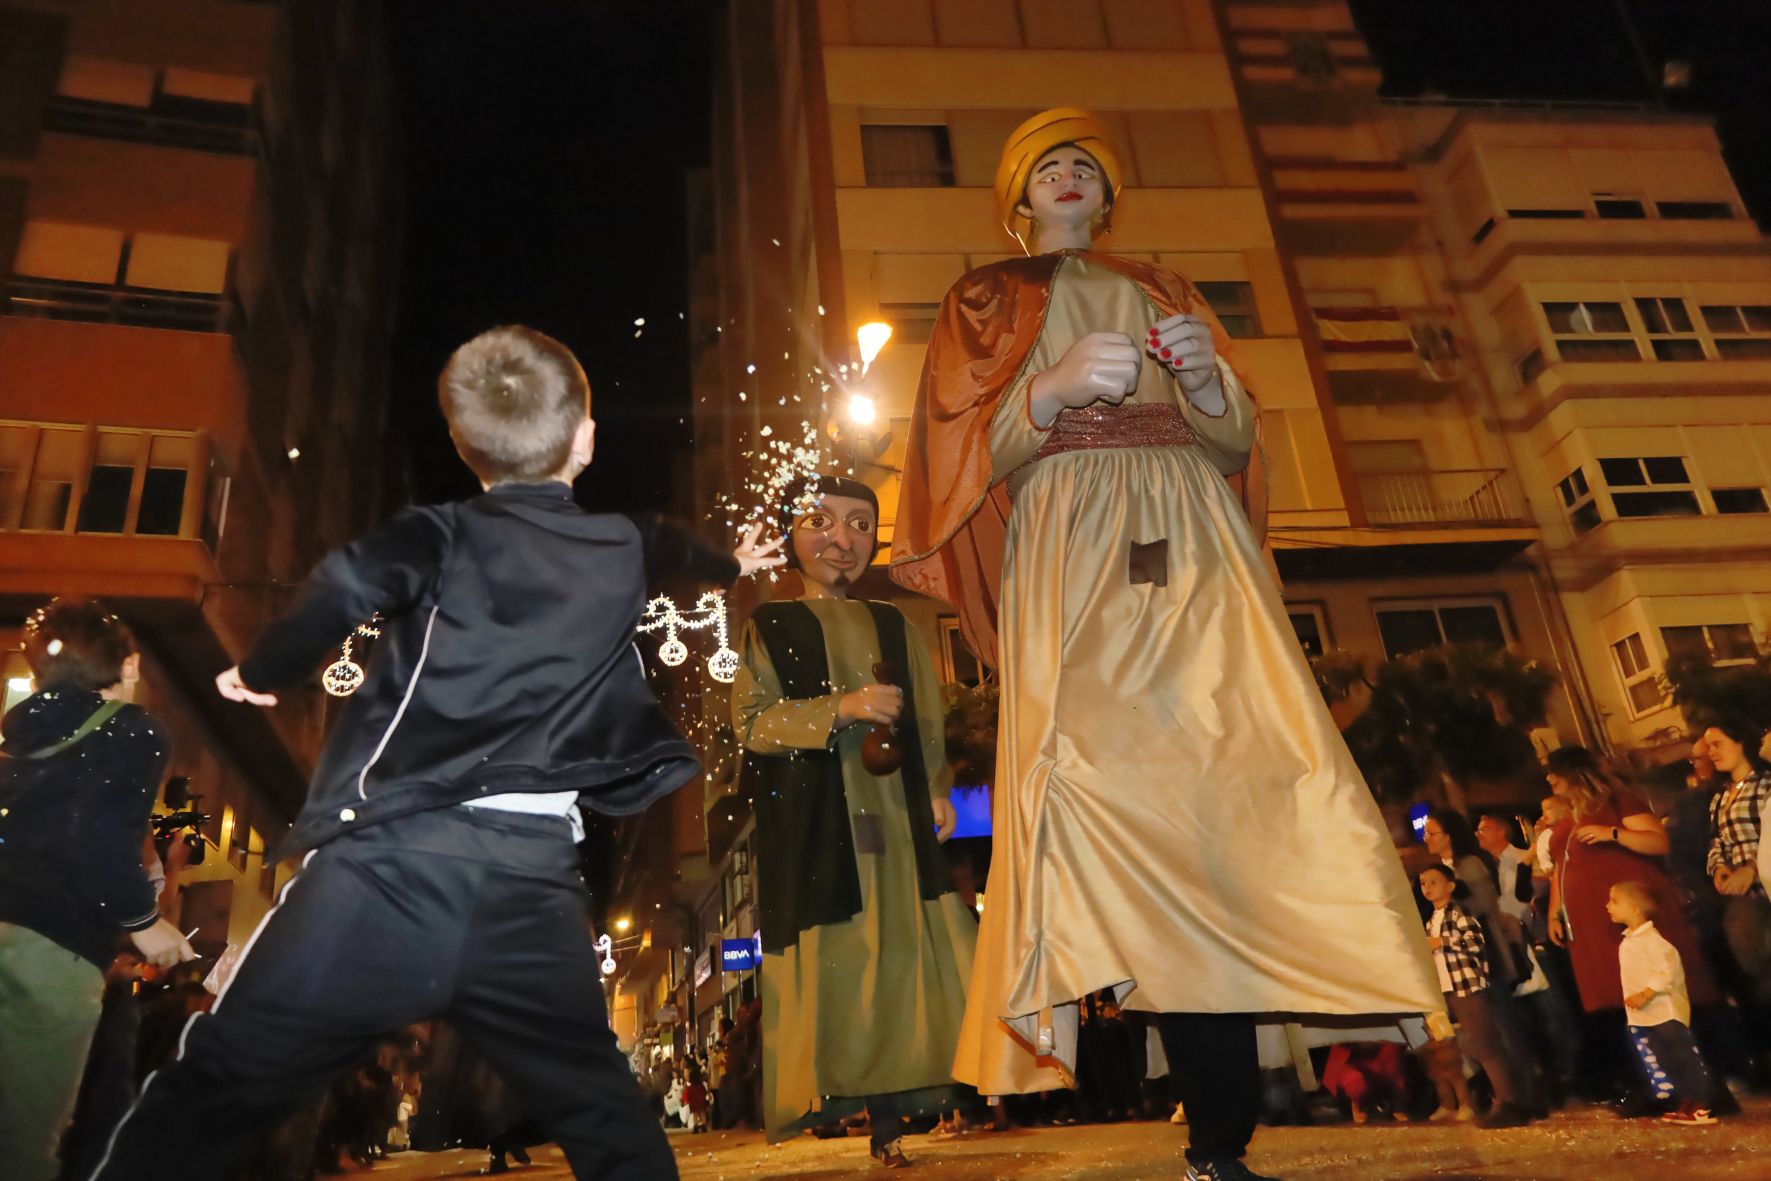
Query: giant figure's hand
880	704
1101	367
1184	344
946	819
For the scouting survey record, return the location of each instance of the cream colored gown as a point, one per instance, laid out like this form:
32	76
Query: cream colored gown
1176	817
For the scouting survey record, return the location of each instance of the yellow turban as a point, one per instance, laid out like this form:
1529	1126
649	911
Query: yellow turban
1036	137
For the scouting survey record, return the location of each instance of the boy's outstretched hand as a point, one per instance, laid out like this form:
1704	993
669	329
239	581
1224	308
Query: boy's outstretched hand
751	556
230	686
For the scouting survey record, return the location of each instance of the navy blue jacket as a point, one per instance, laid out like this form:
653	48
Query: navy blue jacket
72	823
506	661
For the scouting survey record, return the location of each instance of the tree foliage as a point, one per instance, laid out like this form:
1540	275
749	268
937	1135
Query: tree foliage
971	732
1441	717
1706	693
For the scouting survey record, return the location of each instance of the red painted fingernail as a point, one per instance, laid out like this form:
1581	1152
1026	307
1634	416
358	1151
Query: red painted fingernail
1166	353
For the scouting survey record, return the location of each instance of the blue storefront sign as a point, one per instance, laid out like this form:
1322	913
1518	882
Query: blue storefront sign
738	955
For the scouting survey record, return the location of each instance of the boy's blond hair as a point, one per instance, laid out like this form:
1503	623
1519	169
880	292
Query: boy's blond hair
514	399
1638	894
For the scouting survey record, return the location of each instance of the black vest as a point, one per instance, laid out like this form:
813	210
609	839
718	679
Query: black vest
806	873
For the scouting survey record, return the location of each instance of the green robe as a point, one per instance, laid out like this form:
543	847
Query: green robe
871	1005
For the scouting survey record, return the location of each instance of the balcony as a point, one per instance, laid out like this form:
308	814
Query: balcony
97	303
1384	355
1365	338
221	128
1360	207
1436	499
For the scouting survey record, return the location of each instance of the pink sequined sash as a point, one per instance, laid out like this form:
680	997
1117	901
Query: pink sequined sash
1131	424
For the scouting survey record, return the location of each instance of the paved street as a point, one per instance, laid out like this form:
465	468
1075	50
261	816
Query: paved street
1583	1145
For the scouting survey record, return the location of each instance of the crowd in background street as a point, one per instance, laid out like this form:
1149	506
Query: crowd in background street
1608	951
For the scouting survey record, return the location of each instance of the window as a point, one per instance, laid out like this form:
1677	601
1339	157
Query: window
67	272
1410	627
131	482
1695	210
173	107
1310	56
1742	331
1578	502
161	513
958	665
215	505
1548	214
59	456
912	323
1712	643
1664	487
907	156
1640	683
1529	366
1733	501
1311	625
1591	332
1234	305
19	684
1620	208
1669	328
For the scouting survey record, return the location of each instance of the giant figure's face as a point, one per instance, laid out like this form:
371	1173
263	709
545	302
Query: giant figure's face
834	540
1066	189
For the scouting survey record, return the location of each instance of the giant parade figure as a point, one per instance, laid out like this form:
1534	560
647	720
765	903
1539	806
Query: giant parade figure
866	946
1176	817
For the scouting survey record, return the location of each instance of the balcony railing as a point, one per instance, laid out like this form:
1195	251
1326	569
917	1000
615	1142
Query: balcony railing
1472	496
228	131
93	303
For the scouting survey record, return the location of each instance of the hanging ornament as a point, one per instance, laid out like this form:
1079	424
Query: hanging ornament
606	946
344	676
722	666
662	614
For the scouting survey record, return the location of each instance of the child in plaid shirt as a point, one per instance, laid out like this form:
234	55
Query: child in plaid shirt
1460	954
1658	1009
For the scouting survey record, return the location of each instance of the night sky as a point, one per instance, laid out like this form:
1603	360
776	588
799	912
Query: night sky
547	141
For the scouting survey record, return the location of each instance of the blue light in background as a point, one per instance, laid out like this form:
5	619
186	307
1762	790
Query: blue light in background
972	805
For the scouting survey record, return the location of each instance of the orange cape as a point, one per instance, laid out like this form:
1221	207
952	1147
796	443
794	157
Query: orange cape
952	521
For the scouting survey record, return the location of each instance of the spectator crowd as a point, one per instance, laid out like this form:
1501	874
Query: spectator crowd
1614	948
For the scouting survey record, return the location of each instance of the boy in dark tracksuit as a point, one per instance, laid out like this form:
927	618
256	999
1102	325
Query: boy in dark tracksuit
440	876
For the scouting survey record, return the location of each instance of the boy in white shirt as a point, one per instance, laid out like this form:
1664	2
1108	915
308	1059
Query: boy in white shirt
1658	1009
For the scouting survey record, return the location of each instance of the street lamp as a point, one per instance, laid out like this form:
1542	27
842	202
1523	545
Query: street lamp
622	924
855	431
872	337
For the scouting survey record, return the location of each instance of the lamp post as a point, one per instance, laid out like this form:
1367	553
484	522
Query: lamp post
861	412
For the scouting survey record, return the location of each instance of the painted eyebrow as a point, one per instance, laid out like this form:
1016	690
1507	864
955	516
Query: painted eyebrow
1084	161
